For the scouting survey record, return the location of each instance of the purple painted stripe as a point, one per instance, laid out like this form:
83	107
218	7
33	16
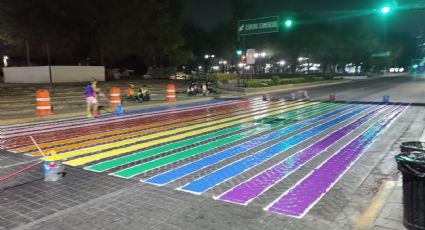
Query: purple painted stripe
298	200
249	190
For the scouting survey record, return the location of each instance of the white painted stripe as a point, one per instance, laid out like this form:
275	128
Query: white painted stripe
67	121
44	129
115	102
114	94
43	99
43	107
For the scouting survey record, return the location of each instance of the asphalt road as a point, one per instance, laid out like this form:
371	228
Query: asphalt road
90	200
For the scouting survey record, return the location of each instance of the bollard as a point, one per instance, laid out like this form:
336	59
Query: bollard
171	93
332	97
265	97
119	111
43	106
53	168
386	99
114	97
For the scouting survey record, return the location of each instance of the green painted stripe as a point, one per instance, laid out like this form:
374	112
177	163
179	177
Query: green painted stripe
141	168
106	165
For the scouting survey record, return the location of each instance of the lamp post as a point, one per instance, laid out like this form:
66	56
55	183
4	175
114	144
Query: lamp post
208	58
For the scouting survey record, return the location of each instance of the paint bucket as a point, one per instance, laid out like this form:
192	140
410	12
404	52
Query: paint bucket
119	110
386	99
53	169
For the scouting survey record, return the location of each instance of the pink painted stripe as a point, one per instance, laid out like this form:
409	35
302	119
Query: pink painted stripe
78	124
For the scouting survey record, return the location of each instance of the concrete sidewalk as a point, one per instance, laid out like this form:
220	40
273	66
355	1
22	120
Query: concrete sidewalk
390	217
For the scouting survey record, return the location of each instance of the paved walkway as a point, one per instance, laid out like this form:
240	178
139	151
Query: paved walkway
257	160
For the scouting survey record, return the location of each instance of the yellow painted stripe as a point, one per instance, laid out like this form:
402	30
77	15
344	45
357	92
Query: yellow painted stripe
84	141
165	133
378	202
197	129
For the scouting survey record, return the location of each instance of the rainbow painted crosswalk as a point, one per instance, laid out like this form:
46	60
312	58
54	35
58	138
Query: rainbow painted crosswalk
235	151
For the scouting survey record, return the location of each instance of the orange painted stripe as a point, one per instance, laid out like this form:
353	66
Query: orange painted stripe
118	134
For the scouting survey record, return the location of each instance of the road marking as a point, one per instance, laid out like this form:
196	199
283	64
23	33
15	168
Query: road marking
116	126
300	198
192	167
141	168
135	130
44	129
247	191
192	131
106	165
378	202
223	174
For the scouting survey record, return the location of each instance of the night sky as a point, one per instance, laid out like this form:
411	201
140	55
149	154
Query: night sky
208	13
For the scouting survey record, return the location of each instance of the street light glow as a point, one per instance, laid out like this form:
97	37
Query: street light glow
288	23
207	56
385	9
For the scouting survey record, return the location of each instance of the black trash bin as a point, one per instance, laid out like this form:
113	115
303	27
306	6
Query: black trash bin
412	146
412	166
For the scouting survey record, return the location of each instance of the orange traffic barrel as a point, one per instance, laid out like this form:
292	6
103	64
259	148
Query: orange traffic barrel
42	105
171	93
114	97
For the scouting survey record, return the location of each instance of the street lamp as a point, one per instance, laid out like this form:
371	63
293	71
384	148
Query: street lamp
288	23
385	9
5	58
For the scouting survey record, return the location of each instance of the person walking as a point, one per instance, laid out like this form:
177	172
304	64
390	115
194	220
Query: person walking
90	93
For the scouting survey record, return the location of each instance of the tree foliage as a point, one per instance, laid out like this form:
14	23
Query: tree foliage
98	31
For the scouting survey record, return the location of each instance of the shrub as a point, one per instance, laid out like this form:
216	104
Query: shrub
226	76
276	80
258	83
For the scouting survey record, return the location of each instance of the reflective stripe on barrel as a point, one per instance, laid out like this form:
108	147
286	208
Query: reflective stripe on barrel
171	93
42	103
114	97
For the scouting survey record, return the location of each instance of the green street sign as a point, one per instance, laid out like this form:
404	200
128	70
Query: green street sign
258	26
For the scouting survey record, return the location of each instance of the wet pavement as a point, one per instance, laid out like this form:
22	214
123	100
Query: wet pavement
221	164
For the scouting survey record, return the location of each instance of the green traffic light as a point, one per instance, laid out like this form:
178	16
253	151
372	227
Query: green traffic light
415	66
385	9
288	23
239	52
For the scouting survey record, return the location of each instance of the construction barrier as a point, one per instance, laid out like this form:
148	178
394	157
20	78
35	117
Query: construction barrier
114	97
171	93
43	106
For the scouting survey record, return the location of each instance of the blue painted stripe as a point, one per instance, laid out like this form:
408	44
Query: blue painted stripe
208	181
177	173
164	108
